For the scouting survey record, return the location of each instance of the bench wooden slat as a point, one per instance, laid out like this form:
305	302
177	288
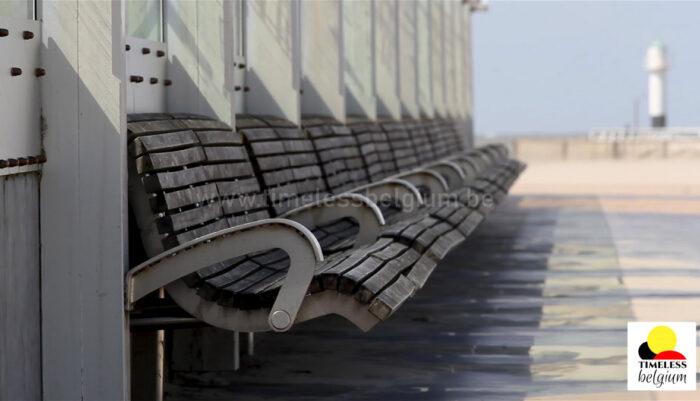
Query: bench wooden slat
215	138
381	279
195	233
162	142
244	203
225	154
422	269
168	180
189	218
139	128
392	298
237	187
152	162
184	197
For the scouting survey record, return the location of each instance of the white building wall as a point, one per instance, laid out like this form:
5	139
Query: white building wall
408	58
83	201
359	58
273	58
466	88
437	49
323	80
199	41
424	55
386	52
449	61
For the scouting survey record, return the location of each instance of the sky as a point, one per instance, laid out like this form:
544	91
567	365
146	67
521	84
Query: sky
548	67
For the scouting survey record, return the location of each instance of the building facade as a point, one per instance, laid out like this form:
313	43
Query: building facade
73	70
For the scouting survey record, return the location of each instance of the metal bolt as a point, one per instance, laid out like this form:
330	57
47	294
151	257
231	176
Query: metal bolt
4	32
160	53
12	162
280	320
128	47
246	89
241	66
15	71
26	35
167	82
136	78
31	159
40	72
145	50
3	163
236	88
154	81
21	161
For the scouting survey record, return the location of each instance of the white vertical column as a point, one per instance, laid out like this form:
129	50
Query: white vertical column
466	87
273	58
437	48
657	66
83	201
358	27
424	56
386	58
449	62
459	60
323	81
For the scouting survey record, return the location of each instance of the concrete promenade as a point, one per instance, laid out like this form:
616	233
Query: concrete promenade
533	307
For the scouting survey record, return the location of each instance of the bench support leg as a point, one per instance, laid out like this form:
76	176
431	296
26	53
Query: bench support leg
236	350
251	343
147	363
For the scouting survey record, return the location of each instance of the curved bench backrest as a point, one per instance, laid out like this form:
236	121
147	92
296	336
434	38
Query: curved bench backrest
338	152
189	176
285	161
401	145
374	147
448	136
421	139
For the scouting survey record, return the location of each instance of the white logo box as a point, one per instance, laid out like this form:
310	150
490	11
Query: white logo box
659	375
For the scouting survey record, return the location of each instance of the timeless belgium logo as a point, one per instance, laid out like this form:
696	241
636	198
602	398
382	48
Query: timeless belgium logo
661	356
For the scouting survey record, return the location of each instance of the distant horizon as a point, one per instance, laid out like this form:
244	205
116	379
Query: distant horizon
568	67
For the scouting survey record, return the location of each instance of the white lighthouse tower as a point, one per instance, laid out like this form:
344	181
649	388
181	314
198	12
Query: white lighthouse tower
656	65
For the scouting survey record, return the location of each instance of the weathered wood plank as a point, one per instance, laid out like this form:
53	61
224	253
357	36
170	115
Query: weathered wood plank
392	298
20	364
374	284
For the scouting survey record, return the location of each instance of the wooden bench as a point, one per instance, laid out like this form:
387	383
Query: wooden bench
259	229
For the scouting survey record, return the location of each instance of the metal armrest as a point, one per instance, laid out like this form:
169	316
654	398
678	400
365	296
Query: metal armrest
499	150
451	171
407	193
435	183
472	164
293	238
355	206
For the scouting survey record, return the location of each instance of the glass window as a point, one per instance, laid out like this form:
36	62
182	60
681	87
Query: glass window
144	19
17	8
239	37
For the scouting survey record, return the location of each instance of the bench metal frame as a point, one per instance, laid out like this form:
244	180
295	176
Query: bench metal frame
293	238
